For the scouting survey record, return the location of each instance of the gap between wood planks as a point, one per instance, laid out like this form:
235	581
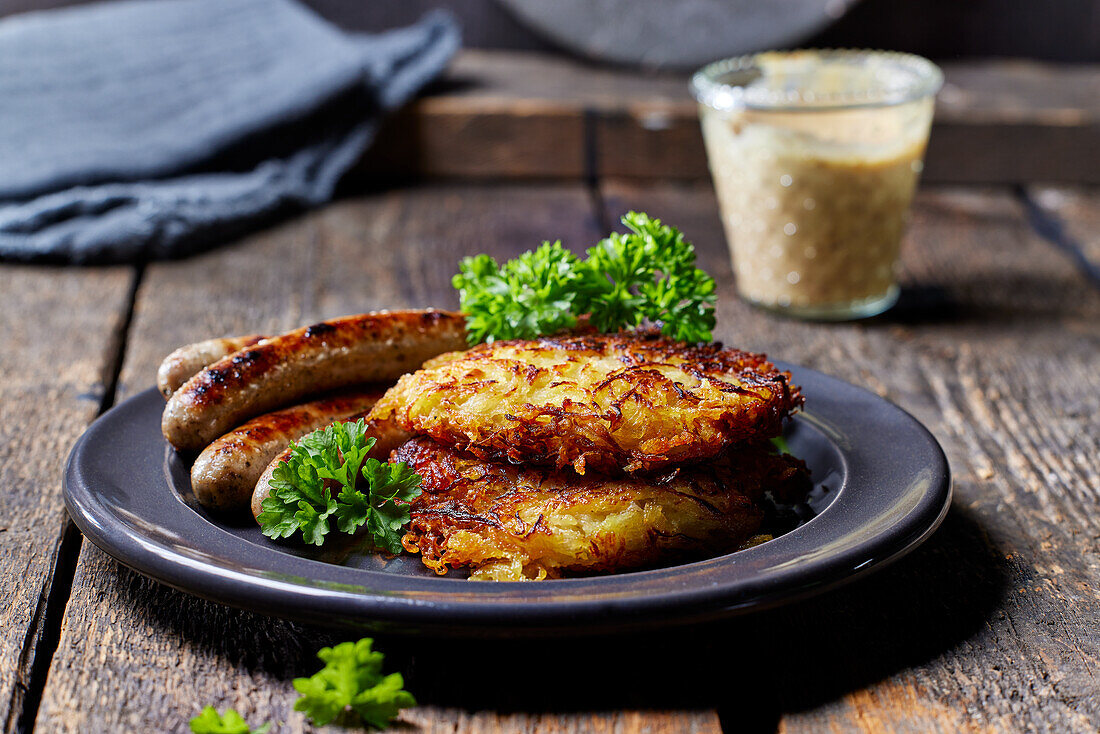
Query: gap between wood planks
592	169
44	632
1052	228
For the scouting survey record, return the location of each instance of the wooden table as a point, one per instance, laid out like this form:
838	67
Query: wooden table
992	625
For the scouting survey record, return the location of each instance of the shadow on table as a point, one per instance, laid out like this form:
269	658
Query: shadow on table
752	668
1032	299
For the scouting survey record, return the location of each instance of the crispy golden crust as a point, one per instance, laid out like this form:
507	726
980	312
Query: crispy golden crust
512	523
610	403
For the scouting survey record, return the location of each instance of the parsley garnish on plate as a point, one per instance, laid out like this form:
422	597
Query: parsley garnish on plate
645	274
328	478
209	721
527	296
351	688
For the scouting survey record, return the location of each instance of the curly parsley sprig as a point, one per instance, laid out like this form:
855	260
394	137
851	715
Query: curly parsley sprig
369	492
529	295
209	721
351	688
649	274
645	274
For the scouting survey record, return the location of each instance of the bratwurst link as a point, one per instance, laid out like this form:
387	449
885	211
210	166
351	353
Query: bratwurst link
509	523
604	402
224	475
353	350
182	364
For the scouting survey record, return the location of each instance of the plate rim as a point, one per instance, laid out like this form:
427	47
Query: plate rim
399	603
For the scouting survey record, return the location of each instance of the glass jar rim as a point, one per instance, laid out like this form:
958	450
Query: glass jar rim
728	84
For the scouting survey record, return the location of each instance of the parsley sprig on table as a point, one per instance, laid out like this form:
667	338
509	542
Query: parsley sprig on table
369	492
351	688
645	274
211	722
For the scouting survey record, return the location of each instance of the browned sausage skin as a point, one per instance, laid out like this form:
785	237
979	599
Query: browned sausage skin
353	350
225	473
179	366
387	435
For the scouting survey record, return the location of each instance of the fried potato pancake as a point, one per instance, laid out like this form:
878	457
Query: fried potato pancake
508	523
633	401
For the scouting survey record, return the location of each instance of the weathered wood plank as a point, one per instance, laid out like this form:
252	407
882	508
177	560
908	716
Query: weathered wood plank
993	625
441	137
1016	122
58	329
1077	210
448	721
138	656
524	115
990	625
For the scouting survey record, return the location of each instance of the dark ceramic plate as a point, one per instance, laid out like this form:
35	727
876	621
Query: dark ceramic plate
882	487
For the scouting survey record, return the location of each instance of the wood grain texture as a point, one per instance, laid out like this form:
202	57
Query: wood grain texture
136	656
1077	210
500	114
443	137
992	625
55	363
448	721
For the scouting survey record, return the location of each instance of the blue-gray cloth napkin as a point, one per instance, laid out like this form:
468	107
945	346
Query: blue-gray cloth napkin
139	129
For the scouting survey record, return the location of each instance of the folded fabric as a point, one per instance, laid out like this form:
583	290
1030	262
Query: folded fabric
135	129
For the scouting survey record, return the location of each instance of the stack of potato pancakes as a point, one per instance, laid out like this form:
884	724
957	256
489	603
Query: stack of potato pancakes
590	454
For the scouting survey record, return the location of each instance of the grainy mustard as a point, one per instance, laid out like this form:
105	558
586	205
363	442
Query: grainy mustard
814	181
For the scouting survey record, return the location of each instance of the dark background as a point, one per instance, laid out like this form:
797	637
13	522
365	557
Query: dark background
1055	30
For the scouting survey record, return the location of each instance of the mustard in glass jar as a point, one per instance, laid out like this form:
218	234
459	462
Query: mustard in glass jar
815	156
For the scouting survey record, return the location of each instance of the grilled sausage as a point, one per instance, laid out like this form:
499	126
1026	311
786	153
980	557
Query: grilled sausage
179	366
387	434
225	473
353	350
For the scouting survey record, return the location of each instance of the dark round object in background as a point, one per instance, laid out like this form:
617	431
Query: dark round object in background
674	34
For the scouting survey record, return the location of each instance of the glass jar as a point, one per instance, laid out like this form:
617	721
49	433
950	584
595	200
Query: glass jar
815	156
